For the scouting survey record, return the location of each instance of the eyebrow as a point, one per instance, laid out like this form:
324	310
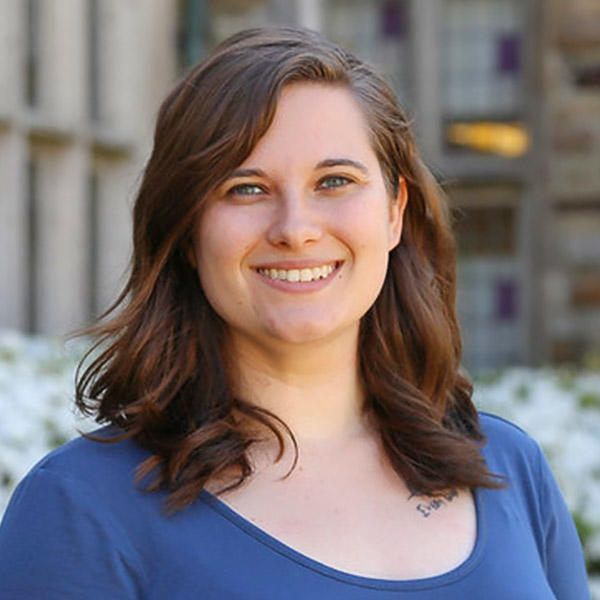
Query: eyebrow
247	173
336	162
328	162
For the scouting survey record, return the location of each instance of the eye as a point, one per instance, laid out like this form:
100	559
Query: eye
245	189
332	182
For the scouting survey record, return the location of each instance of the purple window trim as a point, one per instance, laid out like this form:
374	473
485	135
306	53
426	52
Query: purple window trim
508	54
393	19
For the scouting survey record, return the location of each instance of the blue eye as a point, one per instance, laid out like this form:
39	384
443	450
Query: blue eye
334	181
245	189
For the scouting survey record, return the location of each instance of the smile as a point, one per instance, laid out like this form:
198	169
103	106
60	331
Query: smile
299	275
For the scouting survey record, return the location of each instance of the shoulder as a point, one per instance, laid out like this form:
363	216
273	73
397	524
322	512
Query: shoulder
514	456
100	467
507	447
89	485
500	430
496	427
74	522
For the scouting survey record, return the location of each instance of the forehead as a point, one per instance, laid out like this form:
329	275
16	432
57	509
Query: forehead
314	121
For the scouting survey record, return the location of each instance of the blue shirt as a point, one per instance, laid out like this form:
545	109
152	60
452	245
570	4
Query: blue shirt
77	528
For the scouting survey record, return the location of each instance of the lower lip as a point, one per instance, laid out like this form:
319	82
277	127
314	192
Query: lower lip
300	287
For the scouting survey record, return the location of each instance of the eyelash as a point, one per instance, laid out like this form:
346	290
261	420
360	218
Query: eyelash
235	191
346	180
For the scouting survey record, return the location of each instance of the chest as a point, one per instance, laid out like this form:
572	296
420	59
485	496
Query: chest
364	523
220	554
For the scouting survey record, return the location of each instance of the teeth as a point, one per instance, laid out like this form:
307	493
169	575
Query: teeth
295	275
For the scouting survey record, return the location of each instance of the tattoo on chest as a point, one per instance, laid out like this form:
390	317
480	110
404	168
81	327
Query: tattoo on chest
426	508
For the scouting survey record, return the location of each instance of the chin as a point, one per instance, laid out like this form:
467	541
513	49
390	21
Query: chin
307	332
299	334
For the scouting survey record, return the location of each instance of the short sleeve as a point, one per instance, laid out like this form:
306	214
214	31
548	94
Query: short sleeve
58	541
564	562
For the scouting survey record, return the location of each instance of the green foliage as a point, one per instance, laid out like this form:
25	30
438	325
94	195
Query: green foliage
591	360
566	378
589	400
522	392
488	377
584	528
586	531
8	355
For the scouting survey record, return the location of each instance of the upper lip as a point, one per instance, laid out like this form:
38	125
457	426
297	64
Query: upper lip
296	264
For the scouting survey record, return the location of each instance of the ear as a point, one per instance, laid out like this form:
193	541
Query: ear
397	207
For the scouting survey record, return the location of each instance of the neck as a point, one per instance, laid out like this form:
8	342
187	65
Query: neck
314	388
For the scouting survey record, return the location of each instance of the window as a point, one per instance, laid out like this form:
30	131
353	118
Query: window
482	76
488	277
377	31
202	24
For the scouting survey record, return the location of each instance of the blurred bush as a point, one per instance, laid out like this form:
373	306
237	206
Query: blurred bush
36	391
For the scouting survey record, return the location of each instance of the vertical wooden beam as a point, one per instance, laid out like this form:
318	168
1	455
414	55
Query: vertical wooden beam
425	87
533	224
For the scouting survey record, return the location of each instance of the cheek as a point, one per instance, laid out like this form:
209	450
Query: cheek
223	238
366	226
369	234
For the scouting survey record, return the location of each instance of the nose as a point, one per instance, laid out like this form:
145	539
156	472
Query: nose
295	223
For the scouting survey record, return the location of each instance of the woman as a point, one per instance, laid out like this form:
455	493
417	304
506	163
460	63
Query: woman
284	371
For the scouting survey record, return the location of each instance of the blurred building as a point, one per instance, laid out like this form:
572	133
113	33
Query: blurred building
504	95
80	82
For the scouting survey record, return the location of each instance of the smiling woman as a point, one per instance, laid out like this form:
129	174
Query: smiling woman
282	371
310	195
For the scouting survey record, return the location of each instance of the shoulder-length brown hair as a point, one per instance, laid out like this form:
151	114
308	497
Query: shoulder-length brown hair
161	374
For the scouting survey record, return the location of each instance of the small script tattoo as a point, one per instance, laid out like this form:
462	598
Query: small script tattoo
434	503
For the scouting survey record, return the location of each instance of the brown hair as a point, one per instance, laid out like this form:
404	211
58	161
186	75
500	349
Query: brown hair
161	374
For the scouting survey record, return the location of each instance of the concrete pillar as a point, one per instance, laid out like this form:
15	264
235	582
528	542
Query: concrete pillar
285	12
115	190
63	61
13	244
61	252
12	167
121	56
12	55
155	63
310	14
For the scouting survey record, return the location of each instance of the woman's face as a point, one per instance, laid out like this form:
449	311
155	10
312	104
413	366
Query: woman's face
293	247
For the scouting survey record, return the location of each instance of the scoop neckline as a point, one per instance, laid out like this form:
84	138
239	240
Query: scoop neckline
442	579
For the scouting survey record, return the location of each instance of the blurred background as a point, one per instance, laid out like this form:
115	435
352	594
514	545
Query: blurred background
504	96
505	100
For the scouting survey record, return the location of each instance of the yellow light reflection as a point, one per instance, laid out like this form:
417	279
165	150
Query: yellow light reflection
506	139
